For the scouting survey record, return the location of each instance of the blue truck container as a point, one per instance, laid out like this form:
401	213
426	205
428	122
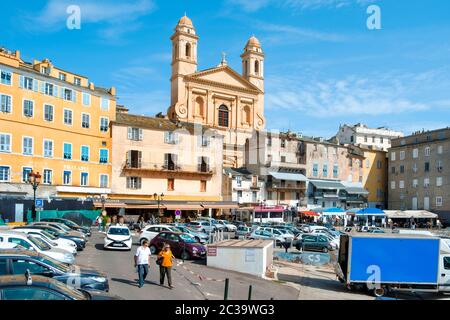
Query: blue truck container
385	262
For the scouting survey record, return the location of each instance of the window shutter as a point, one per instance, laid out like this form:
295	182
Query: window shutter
139	159
74	96
55	90
128	158
175	159
22	81
166	137
176	138
199	164
139	183
41	86
141	134
129	133
166	160
128	182
61	92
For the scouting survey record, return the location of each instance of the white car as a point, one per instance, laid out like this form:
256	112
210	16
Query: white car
53	241
119	238
230	227
30	242
289	237
151	231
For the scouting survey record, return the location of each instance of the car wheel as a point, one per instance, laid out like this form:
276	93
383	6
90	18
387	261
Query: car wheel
153	249
142	241
185	255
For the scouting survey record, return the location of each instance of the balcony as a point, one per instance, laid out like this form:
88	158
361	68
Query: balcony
145	168
290	165
287	187
325	195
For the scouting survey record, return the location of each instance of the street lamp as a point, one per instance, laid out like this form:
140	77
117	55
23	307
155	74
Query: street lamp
159	199
34	179
262	204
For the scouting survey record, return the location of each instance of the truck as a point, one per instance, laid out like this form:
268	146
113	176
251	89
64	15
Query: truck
383	263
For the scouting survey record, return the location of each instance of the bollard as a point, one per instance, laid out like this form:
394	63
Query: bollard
250	292
225	294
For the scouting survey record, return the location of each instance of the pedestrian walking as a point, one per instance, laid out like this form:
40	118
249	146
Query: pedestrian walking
142	262
165	259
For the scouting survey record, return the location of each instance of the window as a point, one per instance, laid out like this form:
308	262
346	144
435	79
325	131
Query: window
447	263
315	170
104	155
440	149
85	120
85	153
67	177
392	156
365	138
68	117
62	76
170	137
373	139
205	141
439	166
239	181
28	108
282	196
203	186
415	153
427	151
283	159
367	163
5	103
67	151
170	184
393	170
381	140
27	83
402	155
379	164
135	134
47	176
427	167
415	168
27	146
269	141
5	77
104	104
77	81
49	89
203	164
104	124
48	148
68	94
86	99
4	173
401	184
134	183
26	173
257	67
170	161
325	170
335	171
426	182
134	159
439	201
188	50
283	143
415	183
104	181
84	179
48	112
223	116
402	169
392	185
438	181
199	107
5	142
269	195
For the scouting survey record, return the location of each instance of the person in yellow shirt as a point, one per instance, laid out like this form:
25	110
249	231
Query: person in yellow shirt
166	257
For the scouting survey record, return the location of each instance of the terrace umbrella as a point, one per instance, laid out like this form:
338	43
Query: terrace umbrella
373	212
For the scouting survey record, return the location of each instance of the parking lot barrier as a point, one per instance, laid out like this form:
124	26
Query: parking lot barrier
225	294
250	292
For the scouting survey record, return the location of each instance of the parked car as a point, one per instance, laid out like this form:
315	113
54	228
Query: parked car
79	241
63	228
27	287
53	241
229	227
312	242
266	235
203	226
217	226
118	238
285	234
151	231
243	231
17	262
181	244
376	231
290	229
200	237
35	244
72	225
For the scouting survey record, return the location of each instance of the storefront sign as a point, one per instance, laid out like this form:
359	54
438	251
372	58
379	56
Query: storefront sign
212	251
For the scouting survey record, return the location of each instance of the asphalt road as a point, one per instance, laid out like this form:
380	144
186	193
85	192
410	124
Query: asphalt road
191	279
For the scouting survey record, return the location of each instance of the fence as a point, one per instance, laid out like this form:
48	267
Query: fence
81	217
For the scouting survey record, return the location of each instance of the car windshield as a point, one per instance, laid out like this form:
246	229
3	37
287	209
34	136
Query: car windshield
39	243
48	235
70	223
175	229
186	238
54	263
119	231
64	227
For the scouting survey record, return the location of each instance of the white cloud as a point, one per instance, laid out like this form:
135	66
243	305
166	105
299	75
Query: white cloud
255	5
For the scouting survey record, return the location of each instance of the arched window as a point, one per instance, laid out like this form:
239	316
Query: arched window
199	106
223	116
175	51
188	50
245	68
246	114
257	67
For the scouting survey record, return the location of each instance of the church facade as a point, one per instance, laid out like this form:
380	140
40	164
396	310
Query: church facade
218	97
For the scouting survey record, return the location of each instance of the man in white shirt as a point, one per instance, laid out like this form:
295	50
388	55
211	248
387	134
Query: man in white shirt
142	261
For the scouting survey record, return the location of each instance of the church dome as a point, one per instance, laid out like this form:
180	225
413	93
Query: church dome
253	42
185	21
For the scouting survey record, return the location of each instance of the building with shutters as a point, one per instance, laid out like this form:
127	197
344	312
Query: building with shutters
54	122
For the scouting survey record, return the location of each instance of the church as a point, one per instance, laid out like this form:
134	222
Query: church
218	97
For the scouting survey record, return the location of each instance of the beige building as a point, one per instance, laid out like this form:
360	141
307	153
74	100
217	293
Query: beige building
218	97
419	172
180	161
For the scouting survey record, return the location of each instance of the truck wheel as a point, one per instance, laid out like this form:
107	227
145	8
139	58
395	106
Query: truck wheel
379	292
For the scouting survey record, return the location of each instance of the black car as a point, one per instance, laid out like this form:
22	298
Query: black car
17	262
28	287
80	242
72	225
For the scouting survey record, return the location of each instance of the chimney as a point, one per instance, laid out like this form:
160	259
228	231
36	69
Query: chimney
91	86
18	54
112	91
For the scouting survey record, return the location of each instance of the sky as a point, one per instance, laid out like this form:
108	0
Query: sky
323	65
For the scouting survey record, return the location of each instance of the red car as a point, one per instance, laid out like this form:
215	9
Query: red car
181	244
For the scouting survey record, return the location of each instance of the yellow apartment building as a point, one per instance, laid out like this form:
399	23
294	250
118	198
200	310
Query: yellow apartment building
56	123
375	176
